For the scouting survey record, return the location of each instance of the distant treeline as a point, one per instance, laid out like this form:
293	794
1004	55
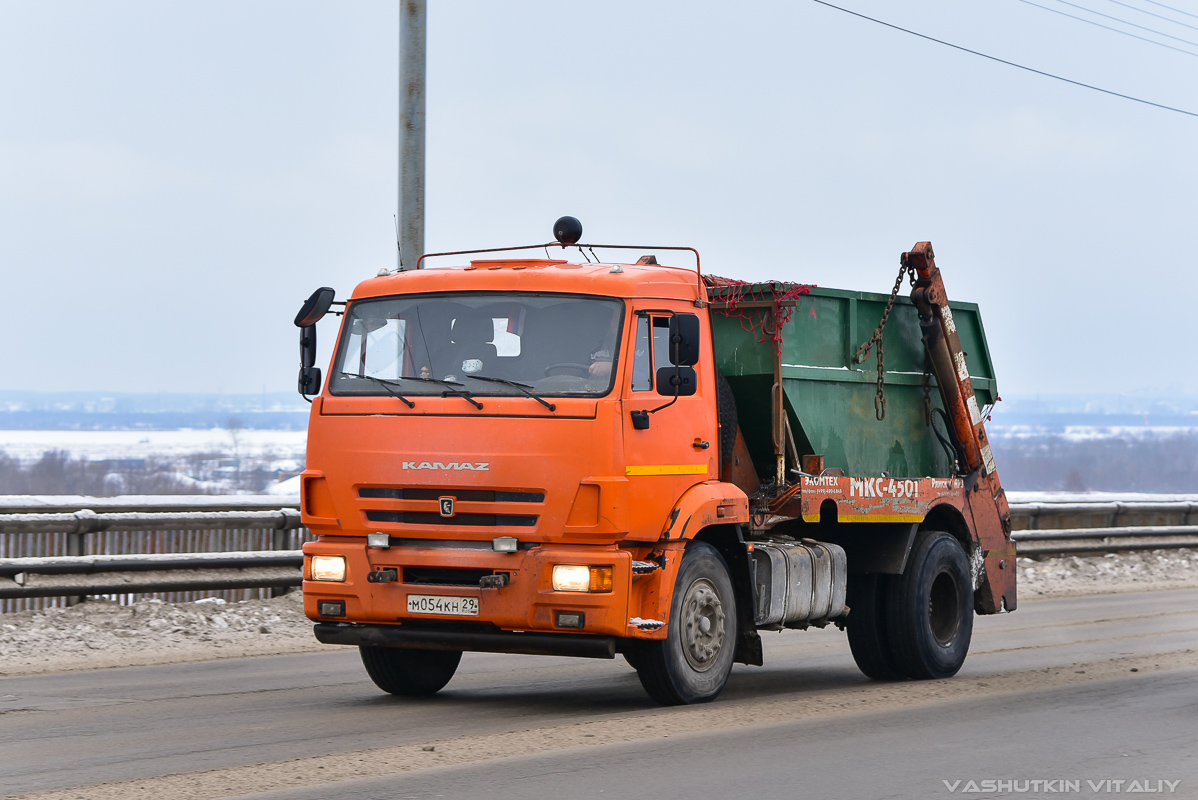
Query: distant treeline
54	420
1117	464
56	472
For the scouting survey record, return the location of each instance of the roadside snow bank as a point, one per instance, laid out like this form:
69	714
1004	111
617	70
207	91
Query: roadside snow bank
1065	576
99	633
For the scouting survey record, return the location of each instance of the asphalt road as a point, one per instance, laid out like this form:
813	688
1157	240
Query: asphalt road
1047	693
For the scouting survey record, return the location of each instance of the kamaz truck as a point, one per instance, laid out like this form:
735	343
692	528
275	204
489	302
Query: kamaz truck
591	457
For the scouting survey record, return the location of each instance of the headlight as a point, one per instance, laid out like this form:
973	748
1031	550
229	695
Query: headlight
577	578
328	568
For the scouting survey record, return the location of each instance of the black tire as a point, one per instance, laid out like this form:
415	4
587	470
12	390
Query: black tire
726	415
409	673
632	654
692	664
929	608
866	627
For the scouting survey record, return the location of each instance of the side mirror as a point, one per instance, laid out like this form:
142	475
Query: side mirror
315	307
684	341
309	380
676	381
309	374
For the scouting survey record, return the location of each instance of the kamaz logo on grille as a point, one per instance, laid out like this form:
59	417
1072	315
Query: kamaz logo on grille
477	466
446	506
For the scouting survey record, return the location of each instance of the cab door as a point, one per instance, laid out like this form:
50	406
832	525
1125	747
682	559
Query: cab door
678	448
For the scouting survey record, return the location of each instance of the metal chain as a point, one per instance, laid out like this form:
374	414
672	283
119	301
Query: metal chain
927	387
863	350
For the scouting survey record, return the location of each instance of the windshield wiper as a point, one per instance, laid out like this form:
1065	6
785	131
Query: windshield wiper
462	393
524	387
385	384
451	392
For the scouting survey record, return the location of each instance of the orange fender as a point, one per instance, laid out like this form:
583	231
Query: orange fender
709	503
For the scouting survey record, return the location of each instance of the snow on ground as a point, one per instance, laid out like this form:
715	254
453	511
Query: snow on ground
1067	576
1098	497
152	502
1083	433
98	634
102	445
288	488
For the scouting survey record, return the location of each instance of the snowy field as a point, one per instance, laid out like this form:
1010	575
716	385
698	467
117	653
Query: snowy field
1089	433
28	446
1097	497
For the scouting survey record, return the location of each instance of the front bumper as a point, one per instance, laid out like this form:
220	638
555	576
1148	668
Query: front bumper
527	604
524	642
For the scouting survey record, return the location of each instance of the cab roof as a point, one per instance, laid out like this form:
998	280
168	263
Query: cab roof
609	279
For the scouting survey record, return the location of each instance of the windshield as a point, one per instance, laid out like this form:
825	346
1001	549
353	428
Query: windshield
551	345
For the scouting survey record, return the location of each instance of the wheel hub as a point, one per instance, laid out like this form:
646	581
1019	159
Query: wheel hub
702	625
944	609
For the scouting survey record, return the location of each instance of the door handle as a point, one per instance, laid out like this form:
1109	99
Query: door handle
699	444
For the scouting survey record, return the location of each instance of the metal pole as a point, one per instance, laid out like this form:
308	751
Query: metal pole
76	545
413	18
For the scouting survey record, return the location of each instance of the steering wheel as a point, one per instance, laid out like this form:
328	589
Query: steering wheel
582	370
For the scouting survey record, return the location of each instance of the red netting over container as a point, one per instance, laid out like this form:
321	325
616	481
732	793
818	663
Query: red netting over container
764	322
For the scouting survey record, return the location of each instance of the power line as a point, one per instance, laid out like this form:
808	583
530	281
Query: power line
1009	63
1171	8
1109	28
1158	16
1125	22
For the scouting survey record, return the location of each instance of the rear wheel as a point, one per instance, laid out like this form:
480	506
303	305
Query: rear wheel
866	627
411	673
692	664
929	608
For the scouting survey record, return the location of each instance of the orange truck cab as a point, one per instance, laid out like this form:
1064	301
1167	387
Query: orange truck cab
534	455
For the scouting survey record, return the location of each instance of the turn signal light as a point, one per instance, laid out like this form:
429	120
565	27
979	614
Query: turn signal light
579	578
601	580
328	568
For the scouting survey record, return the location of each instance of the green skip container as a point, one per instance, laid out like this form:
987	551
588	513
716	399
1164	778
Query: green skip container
829	400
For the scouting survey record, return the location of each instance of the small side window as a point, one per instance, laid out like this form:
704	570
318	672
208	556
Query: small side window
642	357
661	343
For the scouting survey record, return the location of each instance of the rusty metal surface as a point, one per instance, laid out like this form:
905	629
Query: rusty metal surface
873	499
986	502
739	469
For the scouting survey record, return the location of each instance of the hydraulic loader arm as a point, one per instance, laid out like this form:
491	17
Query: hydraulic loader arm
985	498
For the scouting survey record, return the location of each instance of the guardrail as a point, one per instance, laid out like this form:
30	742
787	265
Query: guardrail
188	547
1059	528
56	551
149	573
1045	515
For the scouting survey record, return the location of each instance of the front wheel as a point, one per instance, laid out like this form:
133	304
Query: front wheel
929	608
693	662
410	673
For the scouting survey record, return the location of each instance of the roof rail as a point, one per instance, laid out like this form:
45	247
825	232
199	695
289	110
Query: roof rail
702	296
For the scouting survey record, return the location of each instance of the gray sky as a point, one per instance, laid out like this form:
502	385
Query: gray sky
175	178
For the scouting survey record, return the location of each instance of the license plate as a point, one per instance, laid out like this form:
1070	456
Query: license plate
435	604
